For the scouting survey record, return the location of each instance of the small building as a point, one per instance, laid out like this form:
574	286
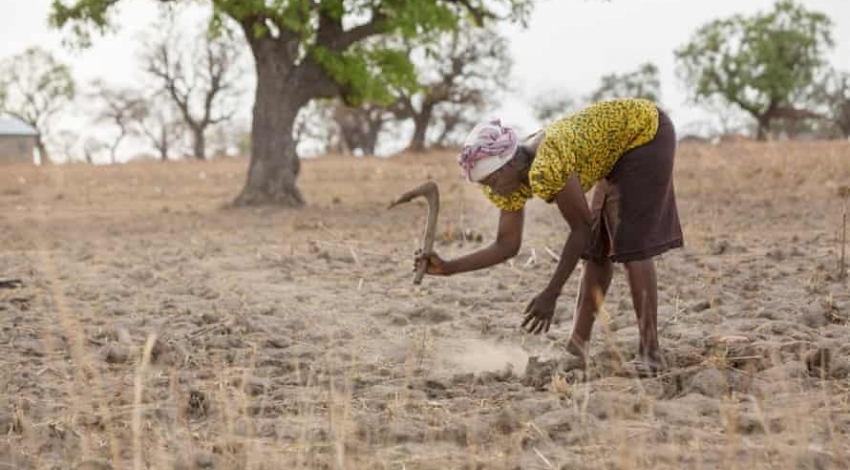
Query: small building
17	141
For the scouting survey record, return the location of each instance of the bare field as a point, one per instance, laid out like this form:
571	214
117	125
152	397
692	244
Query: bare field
158	329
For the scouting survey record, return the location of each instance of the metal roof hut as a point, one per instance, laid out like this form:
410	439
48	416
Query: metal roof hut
17	141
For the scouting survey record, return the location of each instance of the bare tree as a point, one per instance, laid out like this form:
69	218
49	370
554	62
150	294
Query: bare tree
161	126
34	86
460	74
202	84
121	107
460	77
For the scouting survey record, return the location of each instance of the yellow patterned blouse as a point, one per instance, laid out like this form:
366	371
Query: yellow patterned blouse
587	143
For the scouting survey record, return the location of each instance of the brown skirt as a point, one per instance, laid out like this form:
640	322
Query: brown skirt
634	207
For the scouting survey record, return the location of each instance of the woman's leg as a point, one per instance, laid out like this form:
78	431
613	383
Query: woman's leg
595	281
643	284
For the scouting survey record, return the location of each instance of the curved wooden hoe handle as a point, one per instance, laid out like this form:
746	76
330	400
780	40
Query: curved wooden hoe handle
430	192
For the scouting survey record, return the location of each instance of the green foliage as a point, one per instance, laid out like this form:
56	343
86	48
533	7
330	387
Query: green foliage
94	12
368	72
33	86
756	62
641	83
363	69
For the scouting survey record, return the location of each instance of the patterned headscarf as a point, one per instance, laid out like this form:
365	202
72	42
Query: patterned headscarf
488	147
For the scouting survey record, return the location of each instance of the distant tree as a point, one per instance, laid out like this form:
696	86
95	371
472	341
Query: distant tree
309	49
161	125
758	63
641	83
552	105
359	126
120	107
833	94
34	86
315	129
201	80
459	77
92	147
63	144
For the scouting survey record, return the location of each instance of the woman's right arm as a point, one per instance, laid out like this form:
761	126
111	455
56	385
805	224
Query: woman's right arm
506	246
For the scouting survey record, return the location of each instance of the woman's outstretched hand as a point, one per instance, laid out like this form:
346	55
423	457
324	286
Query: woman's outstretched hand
539	312
436	265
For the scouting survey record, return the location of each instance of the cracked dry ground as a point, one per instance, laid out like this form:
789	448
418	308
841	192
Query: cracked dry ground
156	329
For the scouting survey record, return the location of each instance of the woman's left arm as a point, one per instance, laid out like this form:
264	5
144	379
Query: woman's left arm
573	206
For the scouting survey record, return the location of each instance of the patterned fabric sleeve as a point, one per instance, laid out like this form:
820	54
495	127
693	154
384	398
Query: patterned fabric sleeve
550	172
511	203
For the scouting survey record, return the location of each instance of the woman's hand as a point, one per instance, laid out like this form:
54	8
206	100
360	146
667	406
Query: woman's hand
539	312
436	265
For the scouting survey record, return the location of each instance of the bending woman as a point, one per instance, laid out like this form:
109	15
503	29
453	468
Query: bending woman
623	147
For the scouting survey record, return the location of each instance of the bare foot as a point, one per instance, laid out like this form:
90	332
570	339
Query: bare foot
577	348
650	364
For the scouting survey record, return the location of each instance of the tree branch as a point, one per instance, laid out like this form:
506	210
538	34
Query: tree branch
345	39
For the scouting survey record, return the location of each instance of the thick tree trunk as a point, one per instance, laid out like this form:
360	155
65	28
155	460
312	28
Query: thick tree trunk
420	122
199	145
274	162
162	146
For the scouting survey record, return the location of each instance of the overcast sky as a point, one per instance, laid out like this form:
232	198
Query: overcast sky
567	47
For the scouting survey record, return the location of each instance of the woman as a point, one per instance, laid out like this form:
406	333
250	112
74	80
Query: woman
624	147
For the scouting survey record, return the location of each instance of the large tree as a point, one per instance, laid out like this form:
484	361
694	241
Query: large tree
641	83
34	86
201	80
759	63
308	49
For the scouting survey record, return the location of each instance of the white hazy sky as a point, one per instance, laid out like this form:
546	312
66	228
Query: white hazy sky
567	47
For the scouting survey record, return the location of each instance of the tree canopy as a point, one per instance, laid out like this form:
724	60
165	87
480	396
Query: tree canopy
641	83
761	63
34	86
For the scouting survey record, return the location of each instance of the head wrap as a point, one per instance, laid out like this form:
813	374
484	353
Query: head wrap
488	147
